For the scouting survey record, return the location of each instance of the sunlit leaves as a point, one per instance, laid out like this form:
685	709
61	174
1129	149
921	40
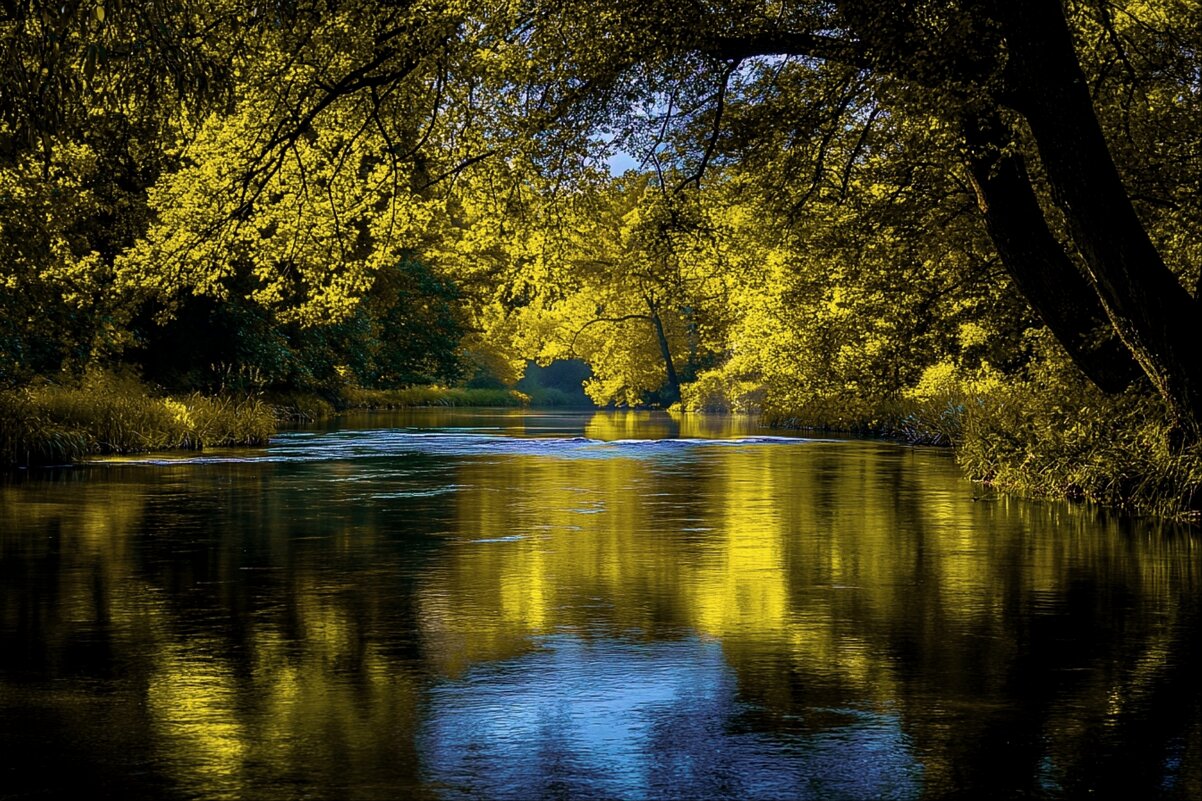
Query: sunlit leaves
639	285
309	239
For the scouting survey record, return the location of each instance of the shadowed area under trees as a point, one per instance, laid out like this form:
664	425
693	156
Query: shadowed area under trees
964	220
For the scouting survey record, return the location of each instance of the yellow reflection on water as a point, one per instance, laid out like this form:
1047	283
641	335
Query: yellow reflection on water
192	701
303	695
731	543
862	567
741	586
822	551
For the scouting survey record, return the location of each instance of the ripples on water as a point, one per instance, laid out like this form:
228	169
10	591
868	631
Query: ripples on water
375	443
614	606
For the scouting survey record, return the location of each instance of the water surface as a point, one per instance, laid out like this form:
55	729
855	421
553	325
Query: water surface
611	605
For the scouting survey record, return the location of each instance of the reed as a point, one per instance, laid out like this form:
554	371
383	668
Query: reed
106	414
356	397
1075	442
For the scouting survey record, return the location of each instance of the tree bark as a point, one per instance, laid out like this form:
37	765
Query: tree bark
1036	261
672	380
1153	313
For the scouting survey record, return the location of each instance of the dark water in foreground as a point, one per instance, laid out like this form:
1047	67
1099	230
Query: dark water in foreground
524	606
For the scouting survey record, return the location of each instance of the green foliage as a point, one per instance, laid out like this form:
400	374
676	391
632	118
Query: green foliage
415	322
89	103
182	184
407	330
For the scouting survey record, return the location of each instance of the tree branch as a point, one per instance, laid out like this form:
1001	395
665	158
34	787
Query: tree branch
786	43
624	318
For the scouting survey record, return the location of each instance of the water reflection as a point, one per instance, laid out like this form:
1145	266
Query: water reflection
756	619
644	720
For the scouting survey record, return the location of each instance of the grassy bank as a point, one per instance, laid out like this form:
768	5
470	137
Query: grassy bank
1075	442
358	398
1050	434
105	414
52	424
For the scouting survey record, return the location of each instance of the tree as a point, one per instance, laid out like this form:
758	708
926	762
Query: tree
842	309
638	292
87	100
341	119
156	153
1004	73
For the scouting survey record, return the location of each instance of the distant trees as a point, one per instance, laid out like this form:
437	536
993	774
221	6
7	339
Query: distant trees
639	292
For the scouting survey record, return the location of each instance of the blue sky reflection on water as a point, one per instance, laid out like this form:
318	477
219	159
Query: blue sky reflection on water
593	606
617	719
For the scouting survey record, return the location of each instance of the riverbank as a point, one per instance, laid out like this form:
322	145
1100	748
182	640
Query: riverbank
1075	442
1055	437
53	424
50	424
1021	437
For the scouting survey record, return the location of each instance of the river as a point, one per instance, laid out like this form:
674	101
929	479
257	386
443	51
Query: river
520	605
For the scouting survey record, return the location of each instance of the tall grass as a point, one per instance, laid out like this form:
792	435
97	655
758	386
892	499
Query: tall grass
1048	434
1070	440
108	414
356	397
104	414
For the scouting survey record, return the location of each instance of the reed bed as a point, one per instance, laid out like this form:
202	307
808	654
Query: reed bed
358	398
57	424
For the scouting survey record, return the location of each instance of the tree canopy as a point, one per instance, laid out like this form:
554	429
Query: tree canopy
835	200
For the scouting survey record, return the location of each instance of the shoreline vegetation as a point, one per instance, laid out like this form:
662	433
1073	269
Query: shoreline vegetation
1076	443
1069	443
49	424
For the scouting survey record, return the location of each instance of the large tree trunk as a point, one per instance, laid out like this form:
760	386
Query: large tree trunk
1156	317
1036	262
